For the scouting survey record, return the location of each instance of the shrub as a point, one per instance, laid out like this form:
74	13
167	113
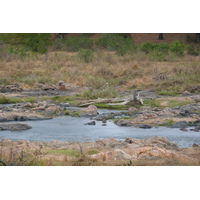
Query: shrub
22	51
148	47
177	48
115	42
163	47
85	55
75	43
192	51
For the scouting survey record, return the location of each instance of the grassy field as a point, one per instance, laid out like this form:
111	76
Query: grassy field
106	72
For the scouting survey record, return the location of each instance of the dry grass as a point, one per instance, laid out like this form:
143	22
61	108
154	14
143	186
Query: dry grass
128	72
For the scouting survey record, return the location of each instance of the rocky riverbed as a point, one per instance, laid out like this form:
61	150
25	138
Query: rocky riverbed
184	114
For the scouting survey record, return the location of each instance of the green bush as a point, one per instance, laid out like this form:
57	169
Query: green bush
163	47
85	55
22	51
148	47
115	42
75	43
177	48
191	50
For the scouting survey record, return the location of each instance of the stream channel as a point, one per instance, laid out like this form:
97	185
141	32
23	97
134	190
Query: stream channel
67	128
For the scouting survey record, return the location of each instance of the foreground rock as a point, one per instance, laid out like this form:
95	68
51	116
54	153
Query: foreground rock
14	126
151	149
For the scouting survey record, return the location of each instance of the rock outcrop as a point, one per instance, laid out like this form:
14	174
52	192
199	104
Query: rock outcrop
89	111
14	126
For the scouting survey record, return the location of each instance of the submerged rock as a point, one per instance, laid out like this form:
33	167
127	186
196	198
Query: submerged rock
145	126
124	122
91	123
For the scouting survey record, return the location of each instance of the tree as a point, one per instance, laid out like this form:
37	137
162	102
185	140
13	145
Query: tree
197	37
36	42
160	36
61	35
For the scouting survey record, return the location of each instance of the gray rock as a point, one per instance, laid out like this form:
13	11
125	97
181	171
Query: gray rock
145	126
89	111
91	123
14	126
181	124
123	122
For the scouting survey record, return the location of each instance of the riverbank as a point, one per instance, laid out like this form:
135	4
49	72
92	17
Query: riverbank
131	152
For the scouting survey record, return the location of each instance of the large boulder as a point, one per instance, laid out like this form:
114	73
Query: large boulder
89	111
196	98
119	154
181	124
160	142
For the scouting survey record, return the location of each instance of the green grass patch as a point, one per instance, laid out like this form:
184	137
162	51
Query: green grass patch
170	104
116	120
168	93
10	100
91	152
112	107
75	114
71	153
168	122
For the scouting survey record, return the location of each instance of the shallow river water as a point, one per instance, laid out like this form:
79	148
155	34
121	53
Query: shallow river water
68	128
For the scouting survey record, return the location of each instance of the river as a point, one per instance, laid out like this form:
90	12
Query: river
68	128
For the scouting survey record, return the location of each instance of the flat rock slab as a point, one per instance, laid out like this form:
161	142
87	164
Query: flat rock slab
6	117
14	126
